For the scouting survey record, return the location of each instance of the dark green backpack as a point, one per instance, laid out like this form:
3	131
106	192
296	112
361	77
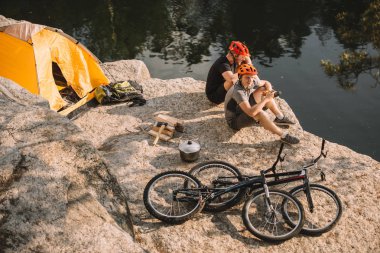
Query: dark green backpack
119	92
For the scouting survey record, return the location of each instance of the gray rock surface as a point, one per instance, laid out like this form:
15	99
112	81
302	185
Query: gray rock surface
126	70
122	140
56	192
19	95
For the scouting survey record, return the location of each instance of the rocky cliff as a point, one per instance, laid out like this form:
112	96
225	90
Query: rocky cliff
56	192
65	184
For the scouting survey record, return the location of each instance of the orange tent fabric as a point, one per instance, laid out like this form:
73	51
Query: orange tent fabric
26	54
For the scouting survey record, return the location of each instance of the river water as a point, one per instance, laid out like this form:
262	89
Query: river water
287	39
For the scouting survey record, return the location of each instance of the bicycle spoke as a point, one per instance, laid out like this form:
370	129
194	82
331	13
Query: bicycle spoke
326	212
274	225
269	224
171	208
219	175
179	206
166	198
277	231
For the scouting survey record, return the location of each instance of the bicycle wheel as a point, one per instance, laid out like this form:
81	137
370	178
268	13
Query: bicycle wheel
219	175
166	198
269	224
327	208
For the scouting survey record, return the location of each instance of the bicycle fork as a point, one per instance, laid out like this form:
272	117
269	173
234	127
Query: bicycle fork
268	203
308	192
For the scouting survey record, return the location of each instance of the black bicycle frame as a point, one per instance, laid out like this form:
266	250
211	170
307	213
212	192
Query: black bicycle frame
253	183
257	182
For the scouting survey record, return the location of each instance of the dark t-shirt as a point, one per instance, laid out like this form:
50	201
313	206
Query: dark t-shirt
214	77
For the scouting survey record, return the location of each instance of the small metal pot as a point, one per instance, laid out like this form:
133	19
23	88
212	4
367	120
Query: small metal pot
189	151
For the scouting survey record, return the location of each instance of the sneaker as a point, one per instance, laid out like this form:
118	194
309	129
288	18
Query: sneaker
290	139
284	121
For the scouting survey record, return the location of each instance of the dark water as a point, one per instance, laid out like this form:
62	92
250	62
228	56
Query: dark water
288	39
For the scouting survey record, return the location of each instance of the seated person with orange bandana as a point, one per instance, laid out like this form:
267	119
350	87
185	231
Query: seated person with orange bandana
221	75
247	100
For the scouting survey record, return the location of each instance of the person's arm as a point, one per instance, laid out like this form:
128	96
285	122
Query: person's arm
254	110
247	60
230	77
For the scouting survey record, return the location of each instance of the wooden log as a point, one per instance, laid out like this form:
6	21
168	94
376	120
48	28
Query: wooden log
165	131
168	119
162	127
162	136
168	127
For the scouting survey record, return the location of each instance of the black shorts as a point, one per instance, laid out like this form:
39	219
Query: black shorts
217	96
243	120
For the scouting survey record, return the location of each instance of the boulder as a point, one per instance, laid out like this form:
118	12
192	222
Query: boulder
19	95
56	192
123	70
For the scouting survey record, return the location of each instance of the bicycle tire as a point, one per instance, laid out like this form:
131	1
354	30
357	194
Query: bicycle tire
209	172
327	209
255	214
161	203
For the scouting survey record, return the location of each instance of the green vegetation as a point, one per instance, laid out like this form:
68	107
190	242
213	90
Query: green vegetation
184	31
361	29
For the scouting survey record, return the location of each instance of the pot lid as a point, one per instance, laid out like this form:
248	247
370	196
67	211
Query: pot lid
189	146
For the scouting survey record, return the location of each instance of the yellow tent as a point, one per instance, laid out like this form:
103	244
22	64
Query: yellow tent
27	52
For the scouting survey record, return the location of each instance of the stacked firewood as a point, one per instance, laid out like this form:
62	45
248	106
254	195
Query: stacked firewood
165	127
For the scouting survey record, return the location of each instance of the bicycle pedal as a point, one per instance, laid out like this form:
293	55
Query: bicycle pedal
323	176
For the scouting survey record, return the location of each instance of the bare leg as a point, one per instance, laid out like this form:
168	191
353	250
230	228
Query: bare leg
274	108
264	120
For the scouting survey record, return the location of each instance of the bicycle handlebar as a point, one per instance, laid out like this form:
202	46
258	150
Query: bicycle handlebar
324	154
281	148
279	158
323	145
